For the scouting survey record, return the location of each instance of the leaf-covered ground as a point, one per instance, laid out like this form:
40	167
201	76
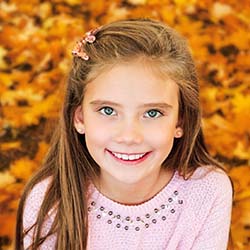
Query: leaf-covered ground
36	38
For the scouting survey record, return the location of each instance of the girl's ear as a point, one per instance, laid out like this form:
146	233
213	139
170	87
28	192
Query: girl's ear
178	132
78	120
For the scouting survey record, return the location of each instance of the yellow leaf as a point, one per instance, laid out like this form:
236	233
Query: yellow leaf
42	150
220	10
45	10
11	97
10	145
23	168
5	81
3	53
181	3
241	178
241	108
6	178
73	2
137	2
242	150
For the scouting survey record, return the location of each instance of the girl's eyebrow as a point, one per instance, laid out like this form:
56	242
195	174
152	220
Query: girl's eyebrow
161	105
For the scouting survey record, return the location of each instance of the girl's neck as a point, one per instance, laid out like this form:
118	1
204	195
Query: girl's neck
135	194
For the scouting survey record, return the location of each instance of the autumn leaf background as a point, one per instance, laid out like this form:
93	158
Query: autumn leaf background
36	38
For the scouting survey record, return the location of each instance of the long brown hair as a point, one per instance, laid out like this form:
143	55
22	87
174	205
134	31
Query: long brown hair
68	161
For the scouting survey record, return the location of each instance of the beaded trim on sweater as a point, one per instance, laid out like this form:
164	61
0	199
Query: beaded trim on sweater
137	222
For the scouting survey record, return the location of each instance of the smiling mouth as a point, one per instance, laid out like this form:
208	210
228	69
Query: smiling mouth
138	157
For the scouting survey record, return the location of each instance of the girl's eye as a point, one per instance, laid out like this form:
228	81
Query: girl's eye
153	113
107	111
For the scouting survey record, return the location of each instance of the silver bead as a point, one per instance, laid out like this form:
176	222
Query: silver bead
176	192
146	225
154	221
127	218
92	203
110	213
137	228
162	206
102	208
98	216
126	227
118	225
180	201
163	217
172	211
147	215
109	221
156	210
170	199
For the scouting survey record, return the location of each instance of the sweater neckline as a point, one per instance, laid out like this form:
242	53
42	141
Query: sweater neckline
99	199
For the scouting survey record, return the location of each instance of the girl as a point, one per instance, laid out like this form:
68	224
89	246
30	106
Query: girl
128	167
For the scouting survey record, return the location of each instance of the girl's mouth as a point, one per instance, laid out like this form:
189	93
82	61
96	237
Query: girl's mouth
129	158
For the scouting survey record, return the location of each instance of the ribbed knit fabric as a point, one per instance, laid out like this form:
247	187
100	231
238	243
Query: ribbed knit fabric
186	214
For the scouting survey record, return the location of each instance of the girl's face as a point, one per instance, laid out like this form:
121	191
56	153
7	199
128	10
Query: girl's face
129	116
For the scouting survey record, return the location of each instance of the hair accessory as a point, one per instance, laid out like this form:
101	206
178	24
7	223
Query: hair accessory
79	48
79	51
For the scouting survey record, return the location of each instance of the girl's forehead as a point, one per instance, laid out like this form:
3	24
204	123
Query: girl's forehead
138	70
141	63
132	82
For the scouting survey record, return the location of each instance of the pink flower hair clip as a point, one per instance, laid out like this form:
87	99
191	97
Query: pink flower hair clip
79	47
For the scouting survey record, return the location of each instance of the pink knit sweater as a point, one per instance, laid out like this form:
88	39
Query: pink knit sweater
193	214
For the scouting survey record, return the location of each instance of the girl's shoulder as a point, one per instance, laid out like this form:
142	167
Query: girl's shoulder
210	175
34	201
38	191
207	178
207	185
32	206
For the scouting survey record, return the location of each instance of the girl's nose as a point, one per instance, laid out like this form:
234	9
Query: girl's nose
129	133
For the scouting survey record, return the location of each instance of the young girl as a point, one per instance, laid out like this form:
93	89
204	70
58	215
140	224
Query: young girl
128	167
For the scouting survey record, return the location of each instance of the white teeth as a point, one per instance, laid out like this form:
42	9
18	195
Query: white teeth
125	157
132	157
128	157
